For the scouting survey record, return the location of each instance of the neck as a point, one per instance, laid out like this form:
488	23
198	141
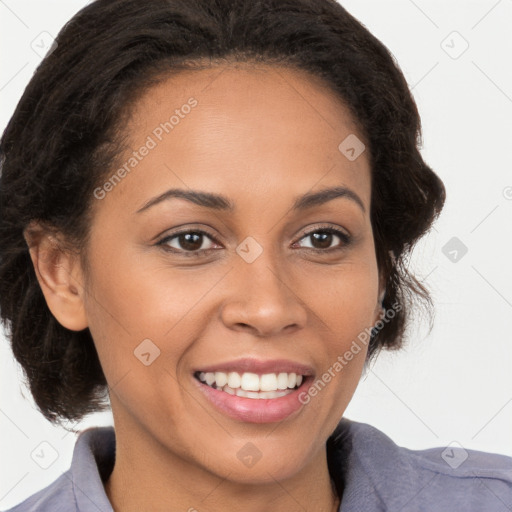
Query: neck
148	476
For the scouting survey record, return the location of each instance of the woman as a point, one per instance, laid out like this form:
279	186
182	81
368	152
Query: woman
205	208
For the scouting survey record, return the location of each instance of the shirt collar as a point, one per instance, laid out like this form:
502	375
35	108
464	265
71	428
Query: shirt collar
369	467
365	466
92	463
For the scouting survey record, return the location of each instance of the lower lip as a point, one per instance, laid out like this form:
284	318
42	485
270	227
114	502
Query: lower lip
255	410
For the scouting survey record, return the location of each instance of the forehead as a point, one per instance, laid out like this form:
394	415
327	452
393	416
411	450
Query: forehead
241	129
251	92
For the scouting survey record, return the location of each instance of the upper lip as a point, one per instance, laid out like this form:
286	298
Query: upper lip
259	366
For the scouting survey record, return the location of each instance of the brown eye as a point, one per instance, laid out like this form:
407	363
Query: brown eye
188	243
323	238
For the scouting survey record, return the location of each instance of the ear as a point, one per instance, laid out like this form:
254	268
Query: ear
59	275
379	308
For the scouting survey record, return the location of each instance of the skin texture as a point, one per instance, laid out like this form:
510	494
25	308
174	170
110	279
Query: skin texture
260	136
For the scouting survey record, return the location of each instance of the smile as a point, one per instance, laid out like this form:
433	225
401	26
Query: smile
254	390
252	385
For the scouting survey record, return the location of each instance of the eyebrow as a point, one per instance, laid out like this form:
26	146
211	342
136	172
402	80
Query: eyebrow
222	203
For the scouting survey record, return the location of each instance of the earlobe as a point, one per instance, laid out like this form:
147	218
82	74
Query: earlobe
59	275
379	308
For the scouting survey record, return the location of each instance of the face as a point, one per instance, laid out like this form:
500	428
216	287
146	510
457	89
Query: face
256	282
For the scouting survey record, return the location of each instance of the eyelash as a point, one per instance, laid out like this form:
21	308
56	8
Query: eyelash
344	237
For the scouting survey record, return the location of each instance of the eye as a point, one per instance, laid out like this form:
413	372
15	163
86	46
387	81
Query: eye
322	237
188	243
192	242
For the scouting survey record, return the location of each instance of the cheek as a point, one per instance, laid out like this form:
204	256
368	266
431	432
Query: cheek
144	298
141	329
345	299
346	304
125	306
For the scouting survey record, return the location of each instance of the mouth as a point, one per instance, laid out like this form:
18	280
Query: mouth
252	385
255	390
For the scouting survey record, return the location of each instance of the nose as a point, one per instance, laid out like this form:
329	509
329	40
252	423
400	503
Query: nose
262	300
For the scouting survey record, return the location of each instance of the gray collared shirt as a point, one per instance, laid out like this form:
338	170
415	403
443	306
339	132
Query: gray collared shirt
367	467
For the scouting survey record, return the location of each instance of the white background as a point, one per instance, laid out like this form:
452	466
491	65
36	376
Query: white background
454	384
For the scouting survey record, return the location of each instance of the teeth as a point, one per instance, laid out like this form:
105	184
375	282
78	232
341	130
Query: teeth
273	394
229	390
282	381
261	394
268	382
250	382
252	385
233	380
221	379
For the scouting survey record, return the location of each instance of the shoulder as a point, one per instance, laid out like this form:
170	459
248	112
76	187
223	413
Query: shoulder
80	488
57	497
436	478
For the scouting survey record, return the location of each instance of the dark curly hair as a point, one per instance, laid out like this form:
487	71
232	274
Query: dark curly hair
65	134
